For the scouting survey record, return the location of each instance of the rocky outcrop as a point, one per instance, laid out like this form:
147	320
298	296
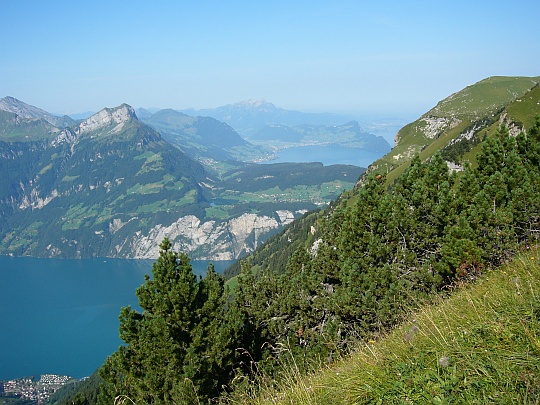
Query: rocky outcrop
65	136
34	201
434	126
107	117
513	128
209	240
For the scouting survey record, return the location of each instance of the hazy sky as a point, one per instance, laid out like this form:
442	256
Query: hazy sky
338	56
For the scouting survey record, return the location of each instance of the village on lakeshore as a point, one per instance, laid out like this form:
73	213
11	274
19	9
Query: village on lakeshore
33	389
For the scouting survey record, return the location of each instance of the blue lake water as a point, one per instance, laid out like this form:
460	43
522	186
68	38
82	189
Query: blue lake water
328	155
60	316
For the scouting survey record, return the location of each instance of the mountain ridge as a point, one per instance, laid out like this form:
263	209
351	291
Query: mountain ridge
11	104
248	116
474	110
202	137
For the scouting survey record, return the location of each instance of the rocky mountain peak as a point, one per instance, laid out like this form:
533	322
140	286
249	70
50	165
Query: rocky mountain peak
117	116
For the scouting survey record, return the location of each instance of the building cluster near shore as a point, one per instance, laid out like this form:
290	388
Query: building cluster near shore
29	389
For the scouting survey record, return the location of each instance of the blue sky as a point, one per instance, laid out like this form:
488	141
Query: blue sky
396	57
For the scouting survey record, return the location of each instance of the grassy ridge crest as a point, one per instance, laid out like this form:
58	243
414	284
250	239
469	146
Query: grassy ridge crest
477	109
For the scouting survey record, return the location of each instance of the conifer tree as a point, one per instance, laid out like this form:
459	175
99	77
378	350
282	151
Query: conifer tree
176	350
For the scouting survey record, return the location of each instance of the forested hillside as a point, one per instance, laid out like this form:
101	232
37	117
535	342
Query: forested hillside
203	138
478	345
342	276
375	257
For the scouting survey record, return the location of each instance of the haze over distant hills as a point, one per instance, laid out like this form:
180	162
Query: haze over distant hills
247	117
264	124
201	137
264	128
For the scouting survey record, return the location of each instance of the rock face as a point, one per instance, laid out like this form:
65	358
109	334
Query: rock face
107	117
434	126
212	240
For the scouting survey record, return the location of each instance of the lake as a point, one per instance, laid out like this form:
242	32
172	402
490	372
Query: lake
60	316
328	155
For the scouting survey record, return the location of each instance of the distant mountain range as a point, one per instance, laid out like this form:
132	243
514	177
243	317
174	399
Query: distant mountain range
248	117
201	137
264	130
112	185
349	134
273	128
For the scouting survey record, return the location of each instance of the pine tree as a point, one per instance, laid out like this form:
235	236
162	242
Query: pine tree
176	351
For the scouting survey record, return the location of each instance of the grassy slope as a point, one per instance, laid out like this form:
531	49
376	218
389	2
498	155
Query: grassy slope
480	345
483	99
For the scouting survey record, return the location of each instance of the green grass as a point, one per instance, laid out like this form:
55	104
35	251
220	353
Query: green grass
45	169
153	162
218	212
481	345
319	194
484	97
68	179
149	188
526	107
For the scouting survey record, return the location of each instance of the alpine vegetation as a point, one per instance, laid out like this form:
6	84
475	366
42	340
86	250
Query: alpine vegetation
378	253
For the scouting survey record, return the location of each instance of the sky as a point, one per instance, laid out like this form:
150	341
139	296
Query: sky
361	57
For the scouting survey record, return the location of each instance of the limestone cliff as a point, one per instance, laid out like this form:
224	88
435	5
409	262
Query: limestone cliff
209	240
116	117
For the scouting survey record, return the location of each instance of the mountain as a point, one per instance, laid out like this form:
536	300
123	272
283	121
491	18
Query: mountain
26	111
112	186
349	135
464	117
85	192
248	117
202	137
337	281
143	113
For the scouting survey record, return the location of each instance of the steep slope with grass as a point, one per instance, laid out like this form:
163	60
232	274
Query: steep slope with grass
479	345
474	111
388	248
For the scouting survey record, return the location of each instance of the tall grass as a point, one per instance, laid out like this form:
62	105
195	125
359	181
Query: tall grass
481	345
